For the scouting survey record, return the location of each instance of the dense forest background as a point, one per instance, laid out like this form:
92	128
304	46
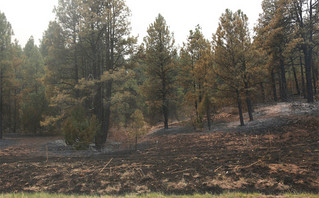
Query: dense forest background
89	75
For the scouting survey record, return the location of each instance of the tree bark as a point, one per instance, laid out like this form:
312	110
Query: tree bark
15	113
164	99
262	89
76	67
165	114
208	115
248	102
273	84
302	78
307	50
164	104
314	77
308	57
135	142
250	109
240	110
295	77
283	90
107	116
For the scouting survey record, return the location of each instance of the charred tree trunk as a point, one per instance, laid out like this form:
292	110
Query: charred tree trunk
248	102
283	90
136	142
302	78
273	85
15	113
165	104
97	100
200	98
195	102
308	58
208	114
107	115
314	77
262	89
76	73
295	77
240	110
308	50
249	108
98	109
165	113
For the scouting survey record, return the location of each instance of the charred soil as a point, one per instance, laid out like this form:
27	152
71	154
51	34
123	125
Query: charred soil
283	157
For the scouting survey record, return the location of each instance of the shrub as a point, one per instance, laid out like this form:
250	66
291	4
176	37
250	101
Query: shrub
79	130
138	126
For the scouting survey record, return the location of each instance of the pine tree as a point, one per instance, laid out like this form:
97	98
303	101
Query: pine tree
196	63
69	20
105	38
286	28
13	88
306	20
85	49
34	100
5	46
274	34
232	48
160	68
58	79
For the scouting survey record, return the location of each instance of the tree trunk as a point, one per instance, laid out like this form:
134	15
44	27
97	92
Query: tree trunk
296	79
208	114
240	110
200	118
164	101
248	102
249	108
195	103
308	57
76	69
302	78
307	49
35	128
283	90
107	109
15	113
262	89
98	103
165	112
136	142
9	111
273	84
196	110
314	77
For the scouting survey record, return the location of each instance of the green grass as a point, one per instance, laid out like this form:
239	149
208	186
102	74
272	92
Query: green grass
155	195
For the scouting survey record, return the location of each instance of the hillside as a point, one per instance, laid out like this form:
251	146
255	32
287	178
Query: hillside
277	153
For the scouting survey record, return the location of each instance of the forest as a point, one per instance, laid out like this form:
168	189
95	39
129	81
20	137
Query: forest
237	111
89	74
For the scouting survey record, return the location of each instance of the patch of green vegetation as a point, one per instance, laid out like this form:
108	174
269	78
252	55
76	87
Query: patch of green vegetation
156	195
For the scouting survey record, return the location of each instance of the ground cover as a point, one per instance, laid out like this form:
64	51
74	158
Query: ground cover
266	158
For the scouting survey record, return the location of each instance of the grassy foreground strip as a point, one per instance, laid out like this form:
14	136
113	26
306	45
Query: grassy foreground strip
155	195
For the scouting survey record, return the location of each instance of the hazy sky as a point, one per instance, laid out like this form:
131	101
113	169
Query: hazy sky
31	17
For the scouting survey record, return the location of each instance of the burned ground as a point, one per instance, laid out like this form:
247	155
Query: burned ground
277	153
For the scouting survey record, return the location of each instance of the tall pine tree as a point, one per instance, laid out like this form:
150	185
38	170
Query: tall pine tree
195	64
5	45
160	68
232	48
